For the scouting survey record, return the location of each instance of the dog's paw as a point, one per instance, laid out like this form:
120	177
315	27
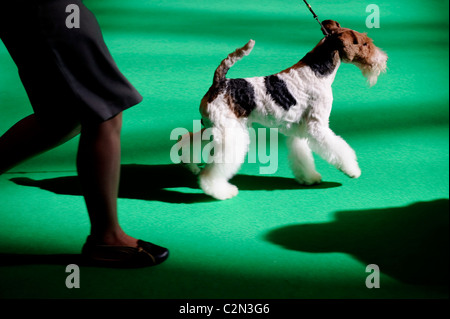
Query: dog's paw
226	191
352	171
219	190
194	168
312	179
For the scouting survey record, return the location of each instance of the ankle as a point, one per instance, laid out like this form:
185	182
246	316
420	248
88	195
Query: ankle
113	238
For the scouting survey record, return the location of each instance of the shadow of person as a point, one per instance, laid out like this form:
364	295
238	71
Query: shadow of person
44	259
159	183
408	243
7	260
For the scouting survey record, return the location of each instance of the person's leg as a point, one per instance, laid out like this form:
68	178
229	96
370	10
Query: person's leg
98	164
29	137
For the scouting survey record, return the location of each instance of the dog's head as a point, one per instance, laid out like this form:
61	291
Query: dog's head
357	48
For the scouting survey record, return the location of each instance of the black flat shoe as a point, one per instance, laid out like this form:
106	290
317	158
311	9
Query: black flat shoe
144	255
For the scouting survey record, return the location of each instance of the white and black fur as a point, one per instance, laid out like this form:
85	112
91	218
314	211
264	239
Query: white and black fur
297	101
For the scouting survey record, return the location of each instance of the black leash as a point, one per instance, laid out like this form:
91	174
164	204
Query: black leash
324	31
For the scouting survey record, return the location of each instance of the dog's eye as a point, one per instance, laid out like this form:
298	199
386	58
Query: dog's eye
355	41
364	44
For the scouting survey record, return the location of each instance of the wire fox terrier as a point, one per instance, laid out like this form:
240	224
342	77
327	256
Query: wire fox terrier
297	101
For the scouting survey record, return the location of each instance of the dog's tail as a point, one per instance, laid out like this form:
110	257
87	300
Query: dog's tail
231	59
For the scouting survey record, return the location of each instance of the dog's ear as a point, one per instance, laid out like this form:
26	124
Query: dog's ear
331	26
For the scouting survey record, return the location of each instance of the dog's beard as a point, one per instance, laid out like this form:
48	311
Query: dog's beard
376	66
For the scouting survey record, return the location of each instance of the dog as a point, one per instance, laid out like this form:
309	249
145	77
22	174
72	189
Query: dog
297	101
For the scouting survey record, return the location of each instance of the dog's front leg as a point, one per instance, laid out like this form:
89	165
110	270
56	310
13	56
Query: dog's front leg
333	149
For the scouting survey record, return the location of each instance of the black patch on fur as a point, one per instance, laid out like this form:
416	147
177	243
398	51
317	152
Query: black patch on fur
322	60
214	91
242	96
279	92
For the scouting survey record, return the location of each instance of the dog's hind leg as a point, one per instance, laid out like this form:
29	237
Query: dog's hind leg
191	155
333	149
230	145
302	161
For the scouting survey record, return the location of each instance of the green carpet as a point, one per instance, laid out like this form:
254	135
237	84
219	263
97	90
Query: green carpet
276	239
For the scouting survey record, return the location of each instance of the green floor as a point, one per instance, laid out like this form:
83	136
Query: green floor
275	239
